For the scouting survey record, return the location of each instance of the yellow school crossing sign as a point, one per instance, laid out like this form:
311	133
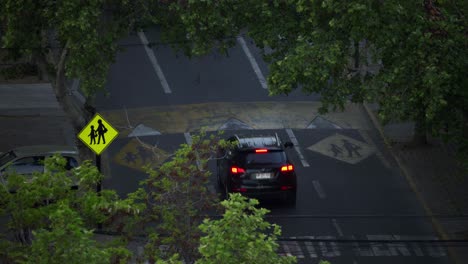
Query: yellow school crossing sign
98	134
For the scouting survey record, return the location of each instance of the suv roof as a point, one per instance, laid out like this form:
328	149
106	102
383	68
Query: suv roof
256	141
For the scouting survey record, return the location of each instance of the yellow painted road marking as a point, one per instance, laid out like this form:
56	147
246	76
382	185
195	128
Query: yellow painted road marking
258	115
134	155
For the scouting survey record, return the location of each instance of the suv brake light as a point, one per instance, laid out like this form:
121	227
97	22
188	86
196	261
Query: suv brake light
237	170
287	168
261	150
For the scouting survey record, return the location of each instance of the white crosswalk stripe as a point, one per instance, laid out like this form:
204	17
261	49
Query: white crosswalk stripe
332	249
310	249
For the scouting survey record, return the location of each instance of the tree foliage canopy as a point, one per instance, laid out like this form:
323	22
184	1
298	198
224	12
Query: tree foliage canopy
176	198
51	222
241	235
407	56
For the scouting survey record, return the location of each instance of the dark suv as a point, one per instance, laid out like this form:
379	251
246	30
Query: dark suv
257	166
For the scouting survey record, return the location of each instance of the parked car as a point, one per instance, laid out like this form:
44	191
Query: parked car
29	159
257	166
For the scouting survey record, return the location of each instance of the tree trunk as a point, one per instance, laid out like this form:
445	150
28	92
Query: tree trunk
78	114
356	55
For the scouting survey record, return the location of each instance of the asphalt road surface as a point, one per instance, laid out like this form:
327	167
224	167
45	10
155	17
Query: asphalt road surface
353	204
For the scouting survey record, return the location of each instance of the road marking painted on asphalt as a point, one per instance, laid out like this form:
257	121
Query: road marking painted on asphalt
359	250
399	247
337	227
325	246
154	62
136	155
293	139
417	250
318	188
332	251
434	250
294	248
253	62
365	135
310	249
343	148
381	249
286	249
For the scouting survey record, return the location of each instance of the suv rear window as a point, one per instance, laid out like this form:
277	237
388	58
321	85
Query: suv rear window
273	157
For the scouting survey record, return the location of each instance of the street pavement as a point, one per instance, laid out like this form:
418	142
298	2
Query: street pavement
359	199
354	203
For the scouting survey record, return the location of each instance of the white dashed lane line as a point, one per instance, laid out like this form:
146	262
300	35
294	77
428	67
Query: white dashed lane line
253	62
154	62
293	139
337	227
318	188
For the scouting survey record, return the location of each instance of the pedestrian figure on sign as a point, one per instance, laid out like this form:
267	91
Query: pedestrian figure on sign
92	136
351	148
101	130
336	150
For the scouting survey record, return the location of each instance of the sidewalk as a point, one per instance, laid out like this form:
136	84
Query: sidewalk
30	115
433	174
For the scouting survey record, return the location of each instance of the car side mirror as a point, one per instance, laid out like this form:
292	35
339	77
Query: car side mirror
288	144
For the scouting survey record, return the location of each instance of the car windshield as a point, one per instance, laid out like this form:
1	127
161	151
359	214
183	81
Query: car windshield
274	157
6	157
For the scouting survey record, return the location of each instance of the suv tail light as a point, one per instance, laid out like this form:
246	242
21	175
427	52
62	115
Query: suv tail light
237	170
261	150
286	168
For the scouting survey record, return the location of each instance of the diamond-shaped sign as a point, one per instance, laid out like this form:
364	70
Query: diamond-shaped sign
134	155
343	148
98	134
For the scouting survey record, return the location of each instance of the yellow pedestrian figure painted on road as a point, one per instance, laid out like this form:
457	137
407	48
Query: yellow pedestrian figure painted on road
134	155
98	129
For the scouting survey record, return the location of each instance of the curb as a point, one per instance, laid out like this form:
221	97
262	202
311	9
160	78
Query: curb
435	223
